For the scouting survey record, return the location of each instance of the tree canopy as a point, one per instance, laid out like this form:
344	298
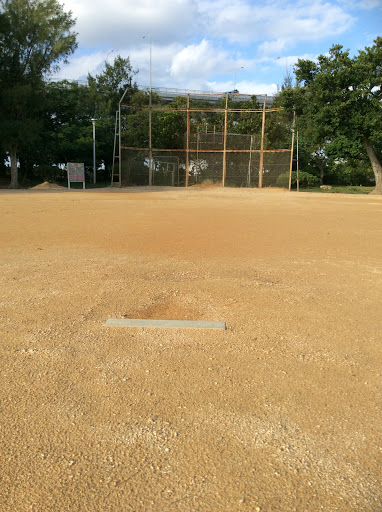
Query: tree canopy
338	103
35	35
70	107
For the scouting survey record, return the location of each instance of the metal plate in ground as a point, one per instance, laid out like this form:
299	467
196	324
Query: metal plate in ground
167	324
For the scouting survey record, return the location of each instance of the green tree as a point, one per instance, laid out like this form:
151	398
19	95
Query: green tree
340	96
105	92
68	134
70	106
107	88
35	35
135	119
169	127
244	122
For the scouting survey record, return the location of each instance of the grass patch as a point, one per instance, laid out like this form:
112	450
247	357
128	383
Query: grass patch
340	190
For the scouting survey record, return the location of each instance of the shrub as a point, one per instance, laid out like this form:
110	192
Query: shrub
49	173
306	180
351	174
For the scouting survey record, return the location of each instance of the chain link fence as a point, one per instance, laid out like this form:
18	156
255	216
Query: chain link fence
188	141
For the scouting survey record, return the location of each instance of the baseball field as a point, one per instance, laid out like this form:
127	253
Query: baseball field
280	412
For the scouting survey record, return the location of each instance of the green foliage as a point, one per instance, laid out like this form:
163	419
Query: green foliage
244	122
34	36
342	190
278	130
66	133
68	103
135	171
306	180
169	127
38	36
350	172
134	124
283	180
49	173
338	103
107	88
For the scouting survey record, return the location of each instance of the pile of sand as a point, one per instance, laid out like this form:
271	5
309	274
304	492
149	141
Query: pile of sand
47	185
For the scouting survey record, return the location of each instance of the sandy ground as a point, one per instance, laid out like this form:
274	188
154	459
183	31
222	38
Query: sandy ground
281	412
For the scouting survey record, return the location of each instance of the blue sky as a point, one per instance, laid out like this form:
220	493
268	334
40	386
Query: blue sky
206	44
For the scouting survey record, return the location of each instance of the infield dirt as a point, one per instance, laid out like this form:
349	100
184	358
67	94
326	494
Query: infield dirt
281	412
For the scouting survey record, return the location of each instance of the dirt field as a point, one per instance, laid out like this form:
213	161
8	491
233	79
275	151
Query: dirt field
281	412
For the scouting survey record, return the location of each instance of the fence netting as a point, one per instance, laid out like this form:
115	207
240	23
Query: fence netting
190	141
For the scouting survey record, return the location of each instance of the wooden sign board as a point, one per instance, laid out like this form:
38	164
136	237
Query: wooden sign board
76	173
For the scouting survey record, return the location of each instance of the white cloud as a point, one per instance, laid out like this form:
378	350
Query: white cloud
291	60
244	87
245	21
201	59
369	4
94	63
362	4
120	23
79	67
199	44
271	47
160	62
193	65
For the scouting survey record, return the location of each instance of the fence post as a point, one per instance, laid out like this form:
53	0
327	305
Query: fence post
150	142
297	169
291	153
188	140
261	164
119	149
225	140
250	163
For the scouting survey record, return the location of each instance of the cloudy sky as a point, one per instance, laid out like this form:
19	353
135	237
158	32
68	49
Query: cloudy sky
214	45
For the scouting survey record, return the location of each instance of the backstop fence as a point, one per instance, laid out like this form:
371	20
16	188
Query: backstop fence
233	141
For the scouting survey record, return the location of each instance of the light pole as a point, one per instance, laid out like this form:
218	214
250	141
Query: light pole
234	84
286	77
109	53
94	153
107	56
150	105
151	42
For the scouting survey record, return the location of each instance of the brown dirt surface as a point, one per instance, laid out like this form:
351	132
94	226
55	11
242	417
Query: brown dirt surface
281	412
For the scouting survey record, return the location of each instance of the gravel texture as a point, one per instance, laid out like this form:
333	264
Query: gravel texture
280	412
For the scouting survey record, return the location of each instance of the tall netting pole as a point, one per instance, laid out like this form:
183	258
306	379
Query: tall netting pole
291	153
150	125
250	163
225	140
261	164
119	146
297	167
188	140
150	145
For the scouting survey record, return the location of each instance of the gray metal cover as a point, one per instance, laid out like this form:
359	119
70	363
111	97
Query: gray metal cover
167	324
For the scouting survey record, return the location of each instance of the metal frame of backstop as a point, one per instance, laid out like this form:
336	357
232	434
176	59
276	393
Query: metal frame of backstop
191	145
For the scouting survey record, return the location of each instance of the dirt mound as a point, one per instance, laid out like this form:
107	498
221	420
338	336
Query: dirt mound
46	185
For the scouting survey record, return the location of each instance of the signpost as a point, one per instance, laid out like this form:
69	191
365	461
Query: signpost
76	173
